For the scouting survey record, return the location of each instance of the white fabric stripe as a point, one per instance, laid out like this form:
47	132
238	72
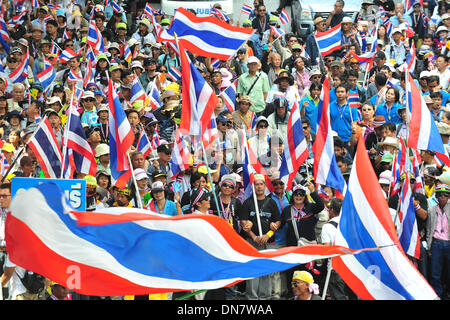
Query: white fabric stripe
208	26
53	143
425	126
206	47
406	274
80	141
44	158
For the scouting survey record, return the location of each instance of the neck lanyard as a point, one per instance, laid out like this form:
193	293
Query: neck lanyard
165	205
299	213
246	122
341	111
227	213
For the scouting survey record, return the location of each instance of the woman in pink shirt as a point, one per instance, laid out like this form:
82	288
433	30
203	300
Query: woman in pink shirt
301	75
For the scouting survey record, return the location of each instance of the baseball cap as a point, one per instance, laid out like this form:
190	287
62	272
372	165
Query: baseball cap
157	186
140	174
252	59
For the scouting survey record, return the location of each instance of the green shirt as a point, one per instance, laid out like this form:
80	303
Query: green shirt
257	94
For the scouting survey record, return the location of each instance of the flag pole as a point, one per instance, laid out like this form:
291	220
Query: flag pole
66	134
327	280
138	196
258	219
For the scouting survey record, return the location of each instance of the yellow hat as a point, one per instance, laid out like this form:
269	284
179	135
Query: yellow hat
303	275
204	170
8	147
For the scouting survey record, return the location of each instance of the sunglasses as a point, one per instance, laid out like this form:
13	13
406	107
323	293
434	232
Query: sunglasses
262	126
11	60
299	193
227	185
90	99
441	194
278	183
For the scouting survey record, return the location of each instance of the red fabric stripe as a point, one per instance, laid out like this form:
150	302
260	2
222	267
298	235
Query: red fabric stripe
355	284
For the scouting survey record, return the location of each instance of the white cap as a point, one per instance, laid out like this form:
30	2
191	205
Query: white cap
253	59
157	185
391	66
140	174
396	30
424	74
441	28
347	20
101	150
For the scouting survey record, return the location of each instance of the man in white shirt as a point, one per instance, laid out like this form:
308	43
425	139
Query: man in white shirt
442	71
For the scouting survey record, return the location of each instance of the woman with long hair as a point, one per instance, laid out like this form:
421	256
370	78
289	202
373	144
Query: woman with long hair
389	108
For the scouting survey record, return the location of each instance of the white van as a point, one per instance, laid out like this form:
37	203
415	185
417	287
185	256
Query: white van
201	7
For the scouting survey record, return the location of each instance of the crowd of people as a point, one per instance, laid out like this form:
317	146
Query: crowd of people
272	73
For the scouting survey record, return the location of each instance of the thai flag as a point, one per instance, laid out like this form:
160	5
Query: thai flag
174	74
329	41
366	57
423	133
408	233
127	53
411	59
205	36
353	99
416	162
37	119
155	139
4	165
219	14
277	32
137	93
17	19
73	76
211	133
66	35
198	101
4	31
398	167
246	9
144	144
21	73
363	41
154	97
54	6
81	151
326	170
253	118
248	172
54	50
229	96
284	17
98	245
295	148
116	8
47	150
179	161
95	39
365	221
68	54
47	76
148	10
215	63
121	138
89	77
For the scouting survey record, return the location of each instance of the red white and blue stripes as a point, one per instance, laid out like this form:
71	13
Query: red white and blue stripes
110	250
329	41
365	221
47	76
95	39
205	36
295	148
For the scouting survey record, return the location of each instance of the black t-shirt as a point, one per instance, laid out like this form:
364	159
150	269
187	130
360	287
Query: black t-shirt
268	213
231	211
336	19
387	5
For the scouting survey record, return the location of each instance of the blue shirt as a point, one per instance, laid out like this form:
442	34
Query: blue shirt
170	209
445	96
280	235
389	115
311	112
341	119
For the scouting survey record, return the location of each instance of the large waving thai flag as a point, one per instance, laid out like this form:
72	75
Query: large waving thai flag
365	221
21	73
408	232
95	38
229	96
109	250
121	138
144	145
81	151
423	132
47	76
198	98
137	92
205	36
47	150
329	41
295	148
326	170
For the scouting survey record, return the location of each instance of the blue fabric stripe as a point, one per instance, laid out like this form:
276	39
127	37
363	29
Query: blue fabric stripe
212	38
357	237
49	153
408	225
137	248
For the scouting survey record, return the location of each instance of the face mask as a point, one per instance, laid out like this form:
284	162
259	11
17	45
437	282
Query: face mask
147	50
